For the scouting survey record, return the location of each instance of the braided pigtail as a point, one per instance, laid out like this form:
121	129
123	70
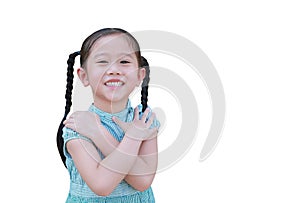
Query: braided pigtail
144	93
68	96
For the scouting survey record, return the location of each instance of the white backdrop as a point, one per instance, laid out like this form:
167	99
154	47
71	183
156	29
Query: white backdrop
254	46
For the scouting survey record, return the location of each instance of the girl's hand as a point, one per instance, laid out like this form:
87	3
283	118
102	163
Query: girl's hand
138	129
85	123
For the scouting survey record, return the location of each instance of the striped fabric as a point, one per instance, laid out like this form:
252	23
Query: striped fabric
79	191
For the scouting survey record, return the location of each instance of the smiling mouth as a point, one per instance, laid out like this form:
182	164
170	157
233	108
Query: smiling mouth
114	84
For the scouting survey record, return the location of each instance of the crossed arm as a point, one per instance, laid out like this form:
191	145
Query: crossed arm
134	160
142	173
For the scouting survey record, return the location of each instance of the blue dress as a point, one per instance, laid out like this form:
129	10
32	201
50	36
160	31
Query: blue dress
123	193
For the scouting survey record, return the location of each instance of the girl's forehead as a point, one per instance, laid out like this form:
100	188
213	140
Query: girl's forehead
113	44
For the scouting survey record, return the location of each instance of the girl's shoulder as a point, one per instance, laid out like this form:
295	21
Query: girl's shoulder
69	134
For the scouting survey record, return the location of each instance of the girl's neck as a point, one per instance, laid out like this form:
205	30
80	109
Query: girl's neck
111	107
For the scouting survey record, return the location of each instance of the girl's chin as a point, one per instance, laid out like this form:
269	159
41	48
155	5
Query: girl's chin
113	99
116	97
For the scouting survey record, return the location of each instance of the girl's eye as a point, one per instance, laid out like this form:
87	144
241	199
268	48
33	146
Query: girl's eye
124	62
102	62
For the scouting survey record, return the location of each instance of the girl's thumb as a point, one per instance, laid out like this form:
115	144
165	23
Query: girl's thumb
117	121
123	125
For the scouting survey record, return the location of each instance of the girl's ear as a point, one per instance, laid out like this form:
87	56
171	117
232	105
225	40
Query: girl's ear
141	75
82	74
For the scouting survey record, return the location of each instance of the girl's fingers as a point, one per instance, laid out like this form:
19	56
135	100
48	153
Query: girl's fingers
116	120
73	115
66	121
69	120
145	115
70	125
119	122
150	120
136	113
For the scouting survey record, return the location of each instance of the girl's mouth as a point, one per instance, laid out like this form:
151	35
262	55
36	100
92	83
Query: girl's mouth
114	83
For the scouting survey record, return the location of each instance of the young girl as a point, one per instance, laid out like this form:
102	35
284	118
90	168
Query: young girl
110	151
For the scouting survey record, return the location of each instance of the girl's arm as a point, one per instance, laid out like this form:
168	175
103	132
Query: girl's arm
103	177
142	173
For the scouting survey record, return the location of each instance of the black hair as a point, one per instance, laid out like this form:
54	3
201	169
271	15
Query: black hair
145	84
84	53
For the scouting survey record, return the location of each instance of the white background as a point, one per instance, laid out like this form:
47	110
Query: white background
254	46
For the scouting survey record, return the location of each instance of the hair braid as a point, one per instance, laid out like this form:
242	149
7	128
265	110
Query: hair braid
144	93
68	97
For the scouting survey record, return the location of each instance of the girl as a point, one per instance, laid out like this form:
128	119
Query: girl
110	151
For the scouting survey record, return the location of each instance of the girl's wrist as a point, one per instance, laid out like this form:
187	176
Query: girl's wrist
133	138
130	145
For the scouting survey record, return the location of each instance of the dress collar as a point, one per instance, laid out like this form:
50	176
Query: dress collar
122	115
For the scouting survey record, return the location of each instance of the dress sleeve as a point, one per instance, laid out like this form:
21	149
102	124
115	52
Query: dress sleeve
156	124
69	134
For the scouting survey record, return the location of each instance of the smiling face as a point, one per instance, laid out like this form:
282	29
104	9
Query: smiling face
112	71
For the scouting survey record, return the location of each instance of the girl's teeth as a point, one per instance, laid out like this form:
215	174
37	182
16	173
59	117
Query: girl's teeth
114	84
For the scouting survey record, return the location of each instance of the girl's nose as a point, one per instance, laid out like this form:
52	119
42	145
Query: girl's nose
114	69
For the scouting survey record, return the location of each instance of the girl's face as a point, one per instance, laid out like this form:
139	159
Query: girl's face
112	72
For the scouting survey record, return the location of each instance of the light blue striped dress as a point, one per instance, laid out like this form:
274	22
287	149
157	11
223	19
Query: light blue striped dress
123	193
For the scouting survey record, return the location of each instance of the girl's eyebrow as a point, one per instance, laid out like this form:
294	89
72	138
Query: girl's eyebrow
126	54
100	54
